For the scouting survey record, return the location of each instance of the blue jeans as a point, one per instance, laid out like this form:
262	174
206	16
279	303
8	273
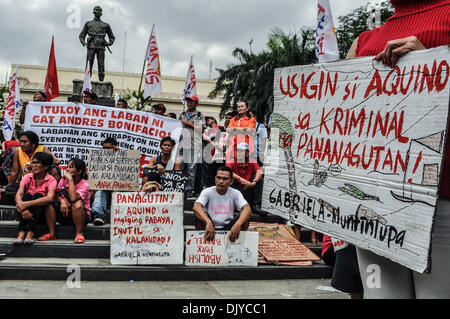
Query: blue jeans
190	164
100	204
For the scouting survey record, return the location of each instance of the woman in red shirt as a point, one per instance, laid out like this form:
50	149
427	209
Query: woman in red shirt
242	129
36	191
416	25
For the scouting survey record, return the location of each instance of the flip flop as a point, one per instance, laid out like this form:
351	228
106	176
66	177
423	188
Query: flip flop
79	239
18	242
46	237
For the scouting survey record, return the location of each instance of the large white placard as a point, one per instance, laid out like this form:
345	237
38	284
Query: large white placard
220	252
357	148
147	228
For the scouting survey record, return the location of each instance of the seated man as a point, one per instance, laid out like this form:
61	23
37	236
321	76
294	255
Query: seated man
102	199
245	173
214	208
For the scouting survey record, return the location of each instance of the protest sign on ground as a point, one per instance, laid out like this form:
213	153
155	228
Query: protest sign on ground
147	228
172	181
70	129
356	151
279	246
220	251
114	170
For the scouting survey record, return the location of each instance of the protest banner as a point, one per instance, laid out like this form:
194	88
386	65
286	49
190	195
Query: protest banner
220	252
114	170
147	229
70	129
356	151
171	181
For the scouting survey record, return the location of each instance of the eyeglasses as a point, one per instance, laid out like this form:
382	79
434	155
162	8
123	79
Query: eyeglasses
35	163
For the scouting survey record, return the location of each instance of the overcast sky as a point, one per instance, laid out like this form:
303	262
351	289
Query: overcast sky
208	29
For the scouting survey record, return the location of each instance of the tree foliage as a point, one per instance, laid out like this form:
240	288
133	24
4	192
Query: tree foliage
252	78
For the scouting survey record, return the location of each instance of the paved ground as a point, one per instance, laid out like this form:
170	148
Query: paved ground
264	289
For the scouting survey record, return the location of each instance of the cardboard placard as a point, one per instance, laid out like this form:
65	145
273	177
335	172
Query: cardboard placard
277	245
147	229
172	181
114	170
220	252
356	151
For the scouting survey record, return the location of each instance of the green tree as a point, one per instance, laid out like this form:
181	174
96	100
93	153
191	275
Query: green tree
350	26
252	78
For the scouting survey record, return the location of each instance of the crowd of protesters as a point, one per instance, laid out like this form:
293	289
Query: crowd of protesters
43	195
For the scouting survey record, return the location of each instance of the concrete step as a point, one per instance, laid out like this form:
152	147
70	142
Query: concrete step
8	229
100	269
9	213
66	248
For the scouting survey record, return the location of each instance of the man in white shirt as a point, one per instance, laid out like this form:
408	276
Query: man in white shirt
215	207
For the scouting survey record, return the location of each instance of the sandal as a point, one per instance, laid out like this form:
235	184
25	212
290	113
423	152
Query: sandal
79	239
46	237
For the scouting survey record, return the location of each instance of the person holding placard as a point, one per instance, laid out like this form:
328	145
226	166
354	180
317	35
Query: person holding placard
214	208
163	161
416	25
102	197
23	155
72	205
151	182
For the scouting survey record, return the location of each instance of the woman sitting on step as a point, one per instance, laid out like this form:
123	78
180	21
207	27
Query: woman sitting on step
72	205
36	191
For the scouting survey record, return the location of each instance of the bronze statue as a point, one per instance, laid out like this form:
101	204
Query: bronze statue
96	42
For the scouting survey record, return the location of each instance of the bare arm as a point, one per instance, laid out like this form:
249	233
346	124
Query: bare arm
152	163
246	213
177	165
74	196
200	213
352	52
22	112
21	205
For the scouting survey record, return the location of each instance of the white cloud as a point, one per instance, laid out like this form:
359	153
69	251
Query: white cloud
209	29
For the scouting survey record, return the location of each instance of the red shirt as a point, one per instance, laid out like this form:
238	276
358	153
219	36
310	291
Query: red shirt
429	21
245	170
30	186
12	143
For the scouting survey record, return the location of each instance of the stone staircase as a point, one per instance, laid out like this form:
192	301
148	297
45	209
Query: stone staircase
55	260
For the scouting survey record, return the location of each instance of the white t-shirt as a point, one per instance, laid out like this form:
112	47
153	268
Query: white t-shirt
220	208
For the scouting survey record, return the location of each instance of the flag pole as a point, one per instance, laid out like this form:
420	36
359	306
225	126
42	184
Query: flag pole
145	60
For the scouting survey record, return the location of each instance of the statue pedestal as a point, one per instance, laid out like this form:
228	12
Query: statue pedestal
104	91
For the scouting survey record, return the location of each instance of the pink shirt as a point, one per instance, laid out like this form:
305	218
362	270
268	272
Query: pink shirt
82	188
29	184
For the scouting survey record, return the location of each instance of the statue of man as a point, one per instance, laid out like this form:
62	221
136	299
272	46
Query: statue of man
96	42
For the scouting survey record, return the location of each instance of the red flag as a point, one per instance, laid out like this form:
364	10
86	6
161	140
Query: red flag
51	80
